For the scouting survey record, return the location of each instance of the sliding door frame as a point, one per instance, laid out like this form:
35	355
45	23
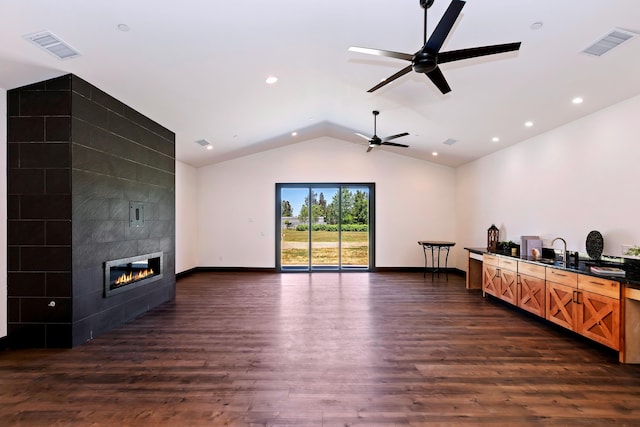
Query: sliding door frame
319	185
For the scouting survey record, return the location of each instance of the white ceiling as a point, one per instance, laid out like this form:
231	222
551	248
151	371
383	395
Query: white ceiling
198	67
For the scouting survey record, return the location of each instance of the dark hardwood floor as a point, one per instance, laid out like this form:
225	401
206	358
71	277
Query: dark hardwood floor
382	349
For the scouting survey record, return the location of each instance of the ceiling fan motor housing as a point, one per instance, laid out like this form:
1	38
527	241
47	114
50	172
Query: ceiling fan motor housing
424	62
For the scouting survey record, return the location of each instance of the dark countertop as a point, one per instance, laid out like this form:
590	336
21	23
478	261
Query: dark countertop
631	267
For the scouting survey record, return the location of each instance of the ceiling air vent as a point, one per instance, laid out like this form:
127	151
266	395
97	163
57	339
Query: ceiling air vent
52	44
449	141
203	142
612	39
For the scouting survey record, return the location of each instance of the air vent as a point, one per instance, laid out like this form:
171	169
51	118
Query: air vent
611	40
203	142
450	141
52	44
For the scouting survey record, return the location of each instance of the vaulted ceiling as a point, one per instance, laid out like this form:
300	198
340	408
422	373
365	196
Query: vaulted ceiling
199	67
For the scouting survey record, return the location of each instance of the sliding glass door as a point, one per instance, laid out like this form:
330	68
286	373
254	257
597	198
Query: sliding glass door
324	227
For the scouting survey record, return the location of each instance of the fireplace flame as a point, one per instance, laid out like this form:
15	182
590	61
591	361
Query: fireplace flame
130	277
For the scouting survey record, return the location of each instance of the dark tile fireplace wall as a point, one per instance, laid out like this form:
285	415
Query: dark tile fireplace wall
76	159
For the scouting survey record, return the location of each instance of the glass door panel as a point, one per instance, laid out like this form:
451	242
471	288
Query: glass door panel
294	231
325	234
355	227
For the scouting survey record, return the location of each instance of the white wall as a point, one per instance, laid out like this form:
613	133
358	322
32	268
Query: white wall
580	177
3	213
186	217
236	221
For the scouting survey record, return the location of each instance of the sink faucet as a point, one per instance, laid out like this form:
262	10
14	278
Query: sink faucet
565	255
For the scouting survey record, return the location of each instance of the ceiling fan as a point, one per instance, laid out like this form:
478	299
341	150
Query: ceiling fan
427	59
375	141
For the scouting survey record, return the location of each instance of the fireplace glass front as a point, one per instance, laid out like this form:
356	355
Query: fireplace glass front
128	273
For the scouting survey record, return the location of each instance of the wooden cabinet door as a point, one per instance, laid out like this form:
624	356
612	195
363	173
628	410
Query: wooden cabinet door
560	305
532	294
508	286
490	279
598	318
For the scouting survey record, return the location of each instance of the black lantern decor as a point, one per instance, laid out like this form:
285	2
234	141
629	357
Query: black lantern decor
493	235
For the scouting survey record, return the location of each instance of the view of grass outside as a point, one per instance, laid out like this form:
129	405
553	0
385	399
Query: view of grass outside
348	209
295	248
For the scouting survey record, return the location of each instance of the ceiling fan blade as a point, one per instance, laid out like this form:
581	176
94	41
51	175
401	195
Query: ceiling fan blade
378	52
438	79
389	138
363	136
369	149
445	25
456	55
388	80
394	144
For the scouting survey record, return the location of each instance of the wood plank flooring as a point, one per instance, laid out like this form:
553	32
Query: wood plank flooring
326	349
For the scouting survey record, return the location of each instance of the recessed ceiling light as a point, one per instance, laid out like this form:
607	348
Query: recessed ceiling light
271	80
209	147
123	27
536	25
434	154
528	124
577	100
294	133
495	139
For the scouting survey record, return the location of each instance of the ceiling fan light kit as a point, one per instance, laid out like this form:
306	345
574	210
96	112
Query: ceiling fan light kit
427	59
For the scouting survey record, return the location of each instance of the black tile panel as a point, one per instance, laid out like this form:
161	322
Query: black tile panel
25	181
56	206
13	103
125	128
26	233
58	233
118	210
59	83
86	208
81	86
13	258
58	284
13	155
13	207
45	258
90	112
97	186
45	310
136	233
81	331
124	249
25	335
25	129
99	162
22	284
148	175
88	284
58	181
148	246
59	335
45	103
107	101
58	128
34	86
13	309
45	155
89	255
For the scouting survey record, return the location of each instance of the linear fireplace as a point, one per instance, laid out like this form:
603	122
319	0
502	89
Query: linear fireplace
128	273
